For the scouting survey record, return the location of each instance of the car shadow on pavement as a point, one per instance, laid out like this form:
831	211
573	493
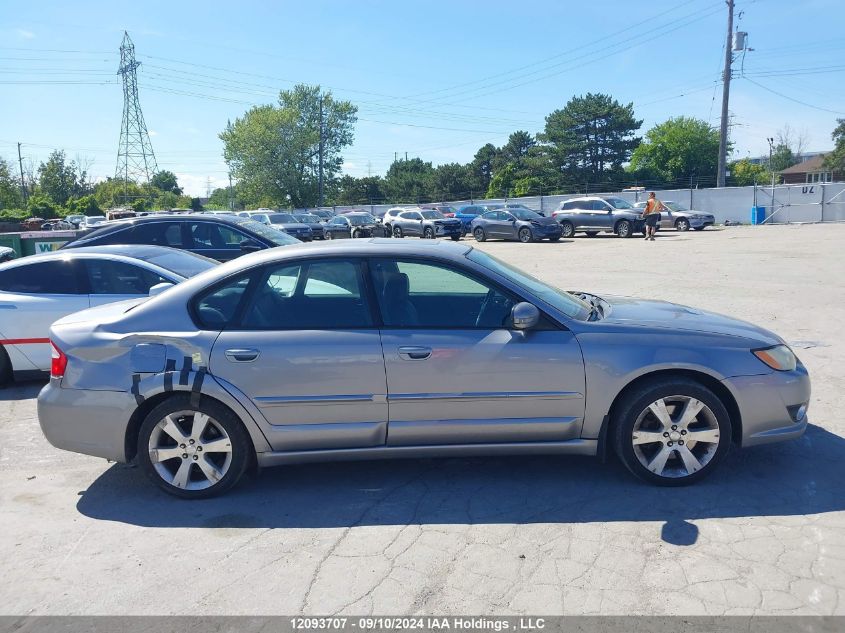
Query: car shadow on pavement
795	478
21	390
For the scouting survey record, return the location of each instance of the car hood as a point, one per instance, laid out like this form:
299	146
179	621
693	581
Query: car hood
446	221
542	221
642	312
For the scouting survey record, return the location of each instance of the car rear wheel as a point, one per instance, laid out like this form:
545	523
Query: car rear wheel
356	233
682	224
672	432
624	228
525	235
397	231
193	452
5	367
428	233
567	229
479	234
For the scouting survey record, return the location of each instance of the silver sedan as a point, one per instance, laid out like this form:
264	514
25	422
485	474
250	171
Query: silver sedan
677	216
377	348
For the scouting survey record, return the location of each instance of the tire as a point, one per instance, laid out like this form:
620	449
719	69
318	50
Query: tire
479	234
397	232
428	233
388	230
624	228
177	413
6	375
525	235
634	419
329	235
682	224
567	229
698	228
456	238
356	233
592	233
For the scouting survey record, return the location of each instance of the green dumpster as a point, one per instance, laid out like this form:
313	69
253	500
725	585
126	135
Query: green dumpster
37	242
13	241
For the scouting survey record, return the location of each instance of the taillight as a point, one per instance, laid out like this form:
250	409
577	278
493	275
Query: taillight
58	362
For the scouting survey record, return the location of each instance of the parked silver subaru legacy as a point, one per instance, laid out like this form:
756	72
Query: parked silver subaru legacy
382	348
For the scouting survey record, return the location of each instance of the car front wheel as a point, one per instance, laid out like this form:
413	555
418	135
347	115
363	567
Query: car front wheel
525	235
193	452
428	234
624	229
682	225
671	432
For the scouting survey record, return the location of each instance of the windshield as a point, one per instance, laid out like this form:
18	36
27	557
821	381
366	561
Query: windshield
182	263
281	218
95	220
308	218
674	206
360	220
619	203
268	232
567	303
524	214
432	215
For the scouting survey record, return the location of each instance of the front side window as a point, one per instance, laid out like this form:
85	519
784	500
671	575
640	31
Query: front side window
48	278
309	296
619	203
414	294
208	235
107	277
361	220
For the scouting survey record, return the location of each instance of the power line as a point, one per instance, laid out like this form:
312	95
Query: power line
793	99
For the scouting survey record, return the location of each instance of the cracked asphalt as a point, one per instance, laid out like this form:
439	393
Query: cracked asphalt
526	535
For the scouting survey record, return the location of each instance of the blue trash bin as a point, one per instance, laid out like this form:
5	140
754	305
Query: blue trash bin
758	215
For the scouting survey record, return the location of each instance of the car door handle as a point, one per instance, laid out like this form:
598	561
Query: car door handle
242	355
414	353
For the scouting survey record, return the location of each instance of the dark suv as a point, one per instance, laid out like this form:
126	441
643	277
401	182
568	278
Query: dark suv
217	236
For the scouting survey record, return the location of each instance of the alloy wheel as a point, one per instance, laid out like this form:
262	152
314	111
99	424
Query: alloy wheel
568	230
190	450
623	229
675	436
682	225
525	235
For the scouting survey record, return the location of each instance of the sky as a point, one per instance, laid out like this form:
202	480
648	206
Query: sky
436	79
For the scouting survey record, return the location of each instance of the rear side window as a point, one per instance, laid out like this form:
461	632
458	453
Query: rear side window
217	308
119	278
49	278
156	233
308	296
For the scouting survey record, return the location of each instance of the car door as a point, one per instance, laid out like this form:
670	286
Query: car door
32	297
508	225
600	214
113	280
412	223
303	346
340	228
667	219
457	373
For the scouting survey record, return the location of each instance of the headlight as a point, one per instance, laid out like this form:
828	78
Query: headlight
779	357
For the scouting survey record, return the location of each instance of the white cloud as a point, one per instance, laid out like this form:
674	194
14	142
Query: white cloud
25	35
152	132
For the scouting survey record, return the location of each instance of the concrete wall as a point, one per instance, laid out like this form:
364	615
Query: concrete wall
792	203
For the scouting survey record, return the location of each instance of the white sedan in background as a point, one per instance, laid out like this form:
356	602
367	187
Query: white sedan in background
35	291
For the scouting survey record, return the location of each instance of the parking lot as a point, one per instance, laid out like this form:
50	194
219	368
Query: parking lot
534	535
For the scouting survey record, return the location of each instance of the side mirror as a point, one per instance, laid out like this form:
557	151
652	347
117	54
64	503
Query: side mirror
525	316
248	246
159	288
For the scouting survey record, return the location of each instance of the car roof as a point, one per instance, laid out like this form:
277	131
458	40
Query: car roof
90	252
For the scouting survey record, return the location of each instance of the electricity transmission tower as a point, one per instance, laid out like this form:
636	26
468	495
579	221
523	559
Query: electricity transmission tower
135	159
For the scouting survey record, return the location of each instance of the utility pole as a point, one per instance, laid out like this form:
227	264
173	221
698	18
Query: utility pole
726	91
208	187
23	182
771	148
320	196
231	194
